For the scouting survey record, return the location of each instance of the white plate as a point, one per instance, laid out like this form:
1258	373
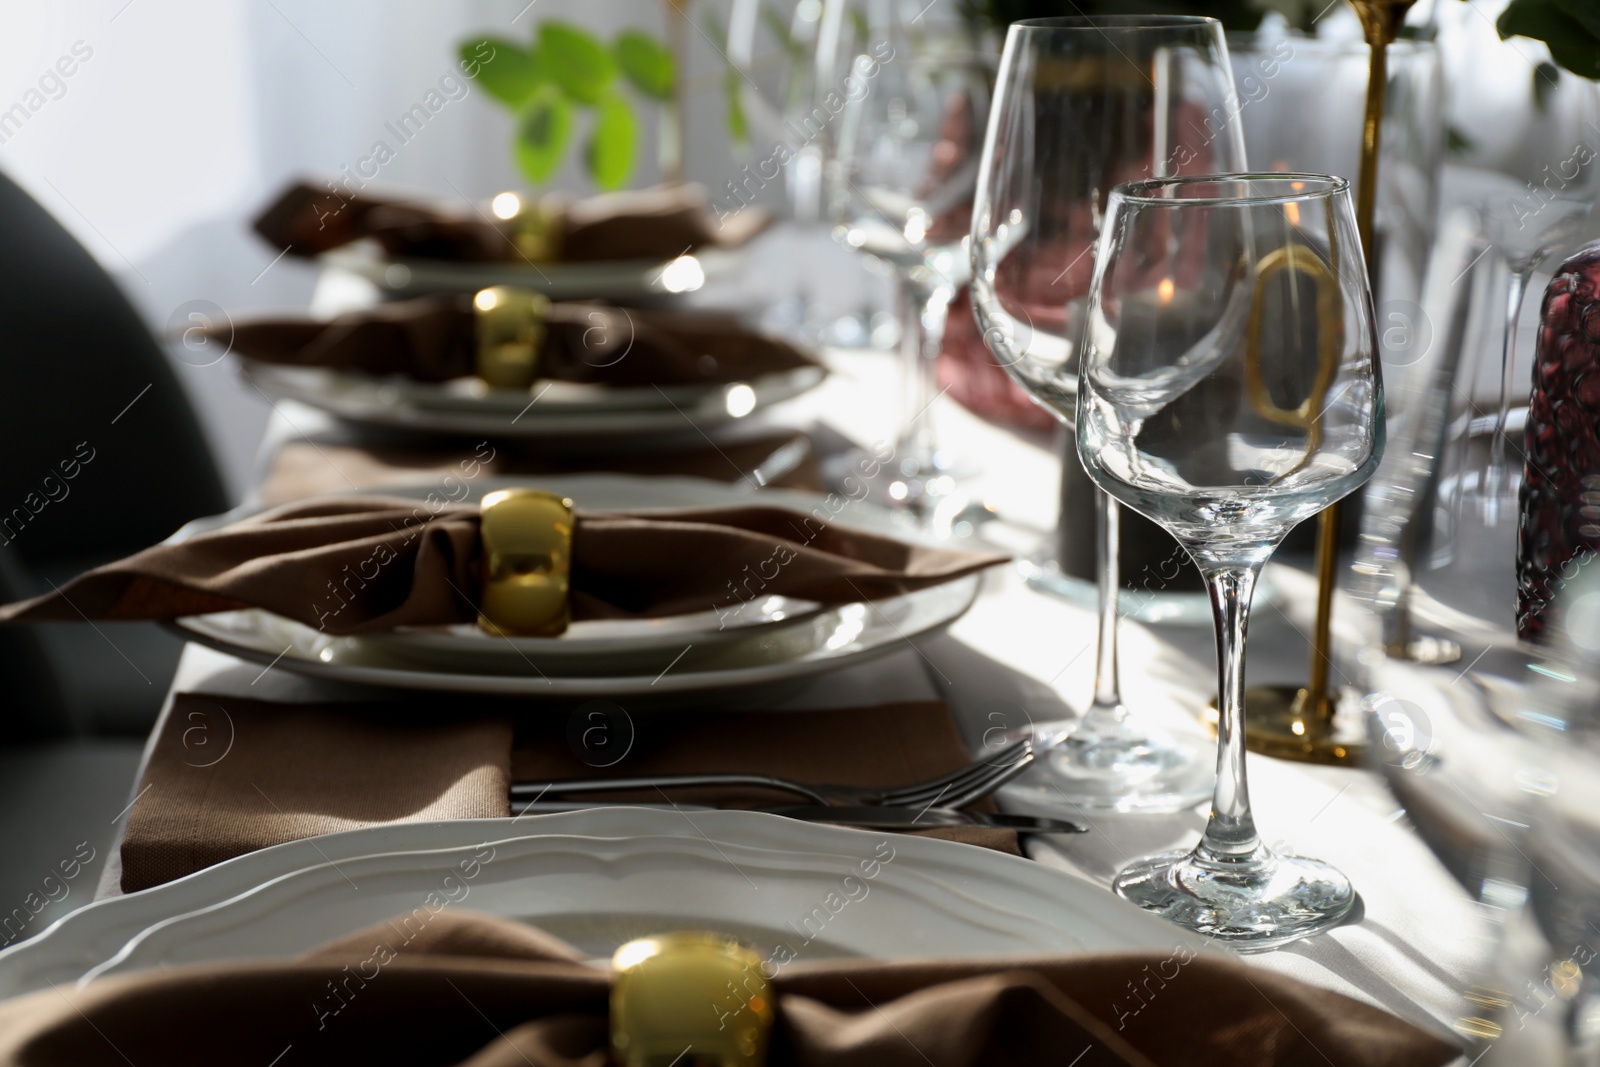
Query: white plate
568	412
769	641
598	878
614	280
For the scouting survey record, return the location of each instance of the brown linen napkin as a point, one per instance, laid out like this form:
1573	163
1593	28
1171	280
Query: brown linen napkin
229	775
303	469
452	987
659	223
354	565
431	339
889	745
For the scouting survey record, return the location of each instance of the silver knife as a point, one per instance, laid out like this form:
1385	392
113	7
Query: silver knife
871	817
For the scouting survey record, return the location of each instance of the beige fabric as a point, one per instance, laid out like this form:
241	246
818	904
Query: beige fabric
351	565
654	224
432	339
229	776
481	992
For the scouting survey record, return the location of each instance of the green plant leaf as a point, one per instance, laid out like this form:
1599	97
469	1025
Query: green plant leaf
612	143
1570	42
647	64
579	63
738	127
1584	12
507	71
1456	142
543	129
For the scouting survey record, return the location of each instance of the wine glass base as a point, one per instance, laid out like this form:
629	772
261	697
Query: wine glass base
1257	905
1147	771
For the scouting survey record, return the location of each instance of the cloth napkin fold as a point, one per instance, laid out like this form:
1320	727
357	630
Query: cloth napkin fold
432	339
357	564
659	223
228	775
303	469
475	991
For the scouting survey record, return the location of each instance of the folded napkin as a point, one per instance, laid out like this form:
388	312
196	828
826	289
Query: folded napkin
303	469
452	987
432	339
227	775
657	223
357	564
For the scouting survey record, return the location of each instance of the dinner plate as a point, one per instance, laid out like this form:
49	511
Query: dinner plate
598	878
613	280
551	409
764	641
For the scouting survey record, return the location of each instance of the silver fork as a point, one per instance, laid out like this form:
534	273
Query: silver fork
957	789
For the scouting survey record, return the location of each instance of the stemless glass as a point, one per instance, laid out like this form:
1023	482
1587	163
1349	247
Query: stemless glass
1229	388
1080	105
901	192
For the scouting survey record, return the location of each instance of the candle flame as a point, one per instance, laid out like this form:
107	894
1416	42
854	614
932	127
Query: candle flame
485	300
1293	212
1165	290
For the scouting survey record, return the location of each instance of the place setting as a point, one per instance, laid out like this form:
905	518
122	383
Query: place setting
631	632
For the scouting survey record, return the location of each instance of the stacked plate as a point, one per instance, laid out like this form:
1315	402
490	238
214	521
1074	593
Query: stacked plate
765	641
566	410
599	878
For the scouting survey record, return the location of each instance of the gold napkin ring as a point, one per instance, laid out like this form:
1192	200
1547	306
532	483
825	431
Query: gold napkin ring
689	998
526	574
509	325
536	229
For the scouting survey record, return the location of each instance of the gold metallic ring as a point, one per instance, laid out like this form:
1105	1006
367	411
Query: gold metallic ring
536	229
527	563
689	997
1296	259
509	325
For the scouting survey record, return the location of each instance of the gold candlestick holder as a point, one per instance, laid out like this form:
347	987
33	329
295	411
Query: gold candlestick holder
1305	724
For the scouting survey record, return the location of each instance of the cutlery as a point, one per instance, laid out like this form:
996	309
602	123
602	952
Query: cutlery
957	789
866	816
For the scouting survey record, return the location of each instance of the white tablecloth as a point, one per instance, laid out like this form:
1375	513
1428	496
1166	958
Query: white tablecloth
1416	938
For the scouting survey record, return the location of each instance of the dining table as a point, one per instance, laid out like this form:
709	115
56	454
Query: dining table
1019	656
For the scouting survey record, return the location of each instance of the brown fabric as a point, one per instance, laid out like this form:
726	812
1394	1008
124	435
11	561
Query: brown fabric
661	223
431	339
890	745
302	469
467	989
353	565
228	776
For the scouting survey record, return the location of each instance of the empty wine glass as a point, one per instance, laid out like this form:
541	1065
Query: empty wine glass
901	192
1229	388
1080	105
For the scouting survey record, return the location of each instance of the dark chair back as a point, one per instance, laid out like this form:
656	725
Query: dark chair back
102	452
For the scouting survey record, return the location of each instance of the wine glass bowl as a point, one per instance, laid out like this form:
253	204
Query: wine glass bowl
1229	388
901	184
1080	105
1226	396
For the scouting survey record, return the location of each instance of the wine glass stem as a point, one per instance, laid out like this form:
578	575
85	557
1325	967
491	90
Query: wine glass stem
1106	716
1497	479
923	312
1230	835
